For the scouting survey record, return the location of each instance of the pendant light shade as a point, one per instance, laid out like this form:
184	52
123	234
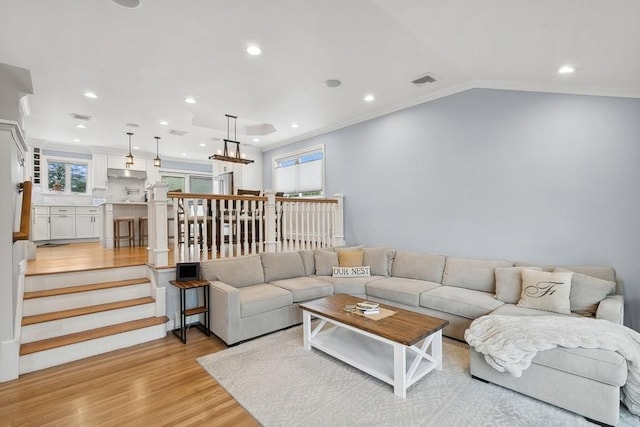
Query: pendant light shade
157	162
129	156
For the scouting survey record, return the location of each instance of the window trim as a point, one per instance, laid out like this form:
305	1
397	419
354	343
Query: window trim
297	154
68	161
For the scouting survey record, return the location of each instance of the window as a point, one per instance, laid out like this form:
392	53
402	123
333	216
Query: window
67	177
189	183
300	174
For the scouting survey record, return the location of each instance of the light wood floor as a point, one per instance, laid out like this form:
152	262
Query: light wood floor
151	384
86	256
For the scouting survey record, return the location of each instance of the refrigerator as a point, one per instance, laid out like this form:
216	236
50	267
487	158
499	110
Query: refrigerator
223	184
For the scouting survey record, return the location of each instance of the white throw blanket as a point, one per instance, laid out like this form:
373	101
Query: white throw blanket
510	342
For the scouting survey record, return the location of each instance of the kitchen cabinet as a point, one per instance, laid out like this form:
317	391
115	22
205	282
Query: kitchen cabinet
40	223
99	171
88	222
62	222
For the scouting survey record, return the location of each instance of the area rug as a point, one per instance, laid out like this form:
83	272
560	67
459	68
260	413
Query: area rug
281	384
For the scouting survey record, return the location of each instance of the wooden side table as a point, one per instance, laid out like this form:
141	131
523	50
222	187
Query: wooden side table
183	286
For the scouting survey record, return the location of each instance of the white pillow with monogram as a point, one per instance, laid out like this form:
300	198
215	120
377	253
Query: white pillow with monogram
546	291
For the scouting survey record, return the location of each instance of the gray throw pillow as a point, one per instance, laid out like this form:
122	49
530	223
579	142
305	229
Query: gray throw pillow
509	283
325	261
378	259
587	292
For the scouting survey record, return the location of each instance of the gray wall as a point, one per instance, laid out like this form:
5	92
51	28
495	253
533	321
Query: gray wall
525	176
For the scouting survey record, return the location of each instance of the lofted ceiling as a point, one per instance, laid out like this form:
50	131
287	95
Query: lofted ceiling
143	62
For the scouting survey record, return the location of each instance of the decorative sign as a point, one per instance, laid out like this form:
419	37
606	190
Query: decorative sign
364	271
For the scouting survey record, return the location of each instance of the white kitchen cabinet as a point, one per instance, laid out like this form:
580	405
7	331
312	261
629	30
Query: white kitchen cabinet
100	171
87	222
40	223
62	222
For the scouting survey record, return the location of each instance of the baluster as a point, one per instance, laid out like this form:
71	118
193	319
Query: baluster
245	217
238	223
205	229
263	217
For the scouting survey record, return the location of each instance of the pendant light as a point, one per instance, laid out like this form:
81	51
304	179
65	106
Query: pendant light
225	157
157	162
129	156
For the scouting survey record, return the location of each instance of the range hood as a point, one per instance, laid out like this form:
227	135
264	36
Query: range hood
126	173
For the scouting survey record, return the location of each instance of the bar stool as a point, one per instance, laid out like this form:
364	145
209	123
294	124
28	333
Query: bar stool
143	230
117	235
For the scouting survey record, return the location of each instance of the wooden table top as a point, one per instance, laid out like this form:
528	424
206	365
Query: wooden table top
188	284
405	327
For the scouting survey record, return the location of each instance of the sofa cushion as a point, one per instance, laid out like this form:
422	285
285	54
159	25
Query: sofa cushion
601	272
379	259
350	258
419	266
279	266
305	288
587	292
509	283
475	274
349	285
325	261
236	272
460	301
600	365
262	298
309	262
544	290
400	290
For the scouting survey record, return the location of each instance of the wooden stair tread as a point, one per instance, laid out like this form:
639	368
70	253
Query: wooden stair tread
80	311
91	334
83	288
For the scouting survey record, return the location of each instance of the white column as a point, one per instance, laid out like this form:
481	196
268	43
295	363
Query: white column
270	221
157	214
338	232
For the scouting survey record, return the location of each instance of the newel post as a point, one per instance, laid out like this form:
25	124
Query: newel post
157	214
270	221
338	232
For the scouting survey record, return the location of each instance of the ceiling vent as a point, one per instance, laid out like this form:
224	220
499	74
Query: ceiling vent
77	116
422	80
132	125
177	132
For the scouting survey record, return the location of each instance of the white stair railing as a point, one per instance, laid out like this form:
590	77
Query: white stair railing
206	226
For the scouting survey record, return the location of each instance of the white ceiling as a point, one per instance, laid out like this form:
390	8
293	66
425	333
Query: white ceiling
143	62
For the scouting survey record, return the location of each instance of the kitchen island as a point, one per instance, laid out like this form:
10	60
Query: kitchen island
110	211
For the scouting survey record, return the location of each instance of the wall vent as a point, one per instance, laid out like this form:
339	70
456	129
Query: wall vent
422	80
77	116
177	132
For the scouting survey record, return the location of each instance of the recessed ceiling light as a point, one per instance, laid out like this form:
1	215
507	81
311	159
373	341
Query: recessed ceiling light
566	69
294	125
190	100
254	50
81	126
184	154
91	95
202	144
163	122
76	139
127	3
256	139
136	148
332	83
369	98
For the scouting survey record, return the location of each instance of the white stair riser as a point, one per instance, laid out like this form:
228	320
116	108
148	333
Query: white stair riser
76	278
57	356
70	325
82	299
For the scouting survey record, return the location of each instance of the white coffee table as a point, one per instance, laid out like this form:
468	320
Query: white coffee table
399	349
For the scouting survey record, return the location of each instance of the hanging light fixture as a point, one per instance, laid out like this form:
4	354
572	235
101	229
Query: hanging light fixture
129	156
237	157
157	162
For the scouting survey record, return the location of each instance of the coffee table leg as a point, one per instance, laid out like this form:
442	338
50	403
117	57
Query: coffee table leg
306	327
436	349
400	370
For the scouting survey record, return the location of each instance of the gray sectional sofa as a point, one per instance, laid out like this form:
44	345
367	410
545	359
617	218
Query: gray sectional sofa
254	295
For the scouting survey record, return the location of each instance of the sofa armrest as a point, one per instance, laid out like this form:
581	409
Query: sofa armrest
224	311
611	308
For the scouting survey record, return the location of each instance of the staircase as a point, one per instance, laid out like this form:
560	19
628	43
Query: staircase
74	315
